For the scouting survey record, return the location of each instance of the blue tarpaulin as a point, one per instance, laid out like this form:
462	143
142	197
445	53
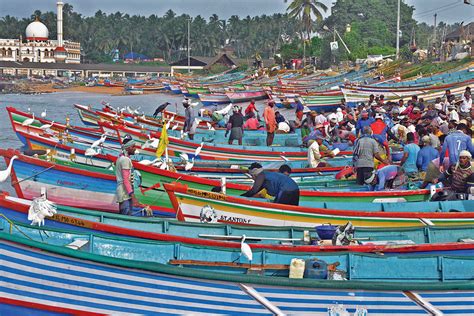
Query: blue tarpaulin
135	56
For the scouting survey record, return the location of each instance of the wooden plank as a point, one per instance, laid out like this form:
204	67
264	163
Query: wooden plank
230	264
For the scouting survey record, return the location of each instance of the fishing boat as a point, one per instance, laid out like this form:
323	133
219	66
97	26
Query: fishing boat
208	99
44	278
245	96
201	206
410	240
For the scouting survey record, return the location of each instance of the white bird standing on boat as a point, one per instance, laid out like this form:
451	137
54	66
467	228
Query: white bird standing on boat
210	127
47	126
99	142
43	114
4	174
225	110
29	121
245	249
90	152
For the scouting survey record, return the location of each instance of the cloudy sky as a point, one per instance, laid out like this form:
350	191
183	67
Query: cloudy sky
448	10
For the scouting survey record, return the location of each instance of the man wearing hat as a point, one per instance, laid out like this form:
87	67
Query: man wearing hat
282	187
124	173
458	176
426	154
363	121
386	178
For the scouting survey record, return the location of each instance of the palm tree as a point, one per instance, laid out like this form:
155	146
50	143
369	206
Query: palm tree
304	10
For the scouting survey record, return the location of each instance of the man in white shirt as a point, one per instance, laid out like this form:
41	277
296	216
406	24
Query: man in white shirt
466	105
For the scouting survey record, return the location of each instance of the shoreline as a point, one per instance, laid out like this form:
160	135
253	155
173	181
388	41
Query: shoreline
33	88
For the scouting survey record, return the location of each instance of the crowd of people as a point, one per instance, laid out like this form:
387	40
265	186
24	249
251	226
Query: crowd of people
392	142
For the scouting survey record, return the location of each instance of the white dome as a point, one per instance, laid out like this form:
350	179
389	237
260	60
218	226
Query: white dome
37	31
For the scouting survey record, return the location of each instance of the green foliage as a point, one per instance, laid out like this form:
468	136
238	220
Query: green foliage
163	36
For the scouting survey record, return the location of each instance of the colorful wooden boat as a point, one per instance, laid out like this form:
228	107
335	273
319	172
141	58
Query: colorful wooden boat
40	278
198	206
409	240
246	96
208	99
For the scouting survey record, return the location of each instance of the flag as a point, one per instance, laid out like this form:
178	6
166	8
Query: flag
163	142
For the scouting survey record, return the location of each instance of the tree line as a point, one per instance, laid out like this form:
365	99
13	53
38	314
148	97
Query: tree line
366	26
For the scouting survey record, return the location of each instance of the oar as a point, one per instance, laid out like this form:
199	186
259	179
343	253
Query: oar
32	176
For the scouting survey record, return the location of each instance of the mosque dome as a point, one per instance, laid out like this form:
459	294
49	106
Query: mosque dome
37	31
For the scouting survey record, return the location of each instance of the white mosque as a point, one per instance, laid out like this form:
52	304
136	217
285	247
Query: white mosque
38	48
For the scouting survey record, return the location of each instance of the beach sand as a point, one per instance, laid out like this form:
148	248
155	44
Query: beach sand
48	88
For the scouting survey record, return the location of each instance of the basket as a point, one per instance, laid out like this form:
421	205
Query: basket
326	231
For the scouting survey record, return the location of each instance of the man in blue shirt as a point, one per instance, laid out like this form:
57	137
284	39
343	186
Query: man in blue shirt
456	142
384	178
364	120
410	154
282	187
426	154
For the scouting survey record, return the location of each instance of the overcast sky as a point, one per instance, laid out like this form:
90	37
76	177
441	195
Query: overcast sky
449	11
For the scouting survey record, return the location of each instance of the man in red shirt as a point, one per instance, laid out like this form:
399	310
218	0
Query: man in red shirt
251	108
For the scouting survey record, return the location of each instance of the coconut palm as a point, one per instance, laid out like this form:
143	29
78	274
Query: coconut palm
304	10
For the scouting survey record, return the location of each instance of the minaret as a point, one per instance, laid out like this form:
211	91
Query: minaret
60	23
60	53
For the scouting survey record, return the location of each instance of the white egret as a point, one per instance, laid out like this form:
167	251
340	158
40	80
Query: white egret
225	110
90	152
4	174
245	249
43	114
198	150
47	126
99	142
175	127
29	121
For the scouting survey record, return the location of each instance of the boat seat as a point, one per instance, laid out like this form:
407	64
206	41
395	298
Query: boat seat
389	242
77	244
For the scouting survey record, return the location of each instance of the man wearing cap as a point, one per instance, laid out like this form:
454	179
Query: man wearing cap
458	176
124	173
270	122
426	154
283	188
379	127
365	149
456	142
386	178
363	121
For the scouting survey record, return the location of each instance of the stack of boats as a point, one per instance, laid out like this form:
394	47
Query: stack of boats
192	250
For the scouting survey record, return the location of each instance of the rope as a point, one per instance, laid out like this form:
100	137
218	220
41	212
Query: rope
12	224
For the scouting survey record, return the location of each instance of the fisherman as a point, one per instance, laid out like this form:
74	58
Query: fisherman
459	176
285	169
125	177
282	187
235	125
410	155
250	109
387	177
315	147
270	122
366	149
188	115
426	154
456	142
